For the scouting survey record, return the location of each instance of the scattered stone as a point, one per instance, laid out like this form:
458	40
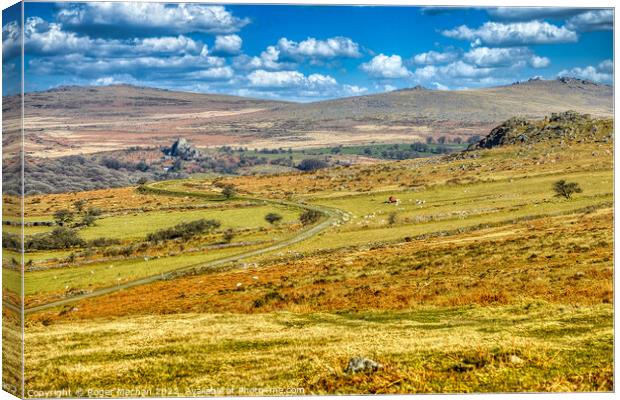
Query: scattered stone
361	364
516	360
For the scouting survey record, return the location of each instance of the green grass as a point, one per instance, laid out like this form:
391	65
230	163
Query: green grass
382	151
138	225
103	274
468	349
450	207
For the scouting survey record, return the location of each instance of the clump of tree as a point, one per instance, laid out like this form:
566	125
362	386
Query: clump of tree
11	241
566	189
229	191
273	218
185	230
311	164
60	238
309	217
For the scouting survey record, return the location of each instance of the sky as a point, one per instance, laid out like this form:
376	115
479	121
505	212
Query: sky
301	53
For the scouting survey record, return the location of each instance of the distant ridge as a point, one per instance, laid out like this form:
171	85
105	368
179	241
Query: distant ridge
76	119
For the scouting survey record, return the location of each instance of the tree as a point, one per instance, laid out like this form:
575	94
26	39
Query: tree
142	181
228	235
311	164
566	189
229	191
309	217
63	217
79	205
142	166
273	218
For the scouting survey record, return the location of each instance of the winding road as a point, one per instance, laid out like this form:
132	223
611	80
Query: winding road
333	216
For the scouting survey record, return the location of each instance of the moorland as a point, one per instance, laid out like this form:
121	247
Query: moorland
470	249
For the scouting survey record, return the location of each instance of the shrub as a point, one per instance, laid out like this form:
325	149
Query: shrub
59	238
309	217
103	242
392	218
79	205
63	217
311	164
566	189
94	211
184	230
228	191
88	220
273	218
228	235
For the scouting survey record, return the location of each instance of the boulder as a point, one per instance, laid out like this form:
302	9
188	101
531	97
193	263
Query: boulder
361	364
183	149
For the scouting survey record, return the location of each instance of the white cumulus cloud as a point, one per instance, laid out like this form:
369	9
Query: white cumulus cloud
229	44
287	79
602	73
389	67
169	18
504	57
511	34
594	20
434	57
312	48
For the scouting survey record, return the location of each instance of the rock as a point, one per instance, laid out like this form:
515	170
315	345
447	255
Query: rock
515	360
183	149
569	124
361	364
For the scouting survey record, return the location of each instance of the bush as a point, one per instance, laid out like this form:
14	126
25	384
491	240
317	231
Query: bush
63	217
273	218
228	235
103	242
309	217
88	220
311	164
184	230
59	238
228	191
566	189
392	218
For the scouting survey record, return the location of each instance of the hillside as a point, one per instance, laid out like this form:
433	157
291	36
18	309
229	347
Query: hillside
478	278
566	126
75	120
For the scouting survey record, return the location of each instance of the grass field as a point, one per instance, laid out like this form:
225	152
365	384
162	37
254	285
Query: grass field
138	225
537	347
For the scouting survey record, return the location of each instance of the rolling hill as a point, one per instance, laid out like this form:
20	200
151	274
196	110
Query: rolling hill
75	120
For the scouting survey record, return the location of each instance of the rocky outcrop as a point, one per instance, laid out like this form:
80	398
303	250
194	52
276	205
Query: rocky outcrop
183	150
565	126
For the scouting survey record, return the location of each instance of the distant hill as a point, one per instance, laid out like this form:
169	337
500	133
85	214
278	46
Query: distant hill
120	99
531	99
75	120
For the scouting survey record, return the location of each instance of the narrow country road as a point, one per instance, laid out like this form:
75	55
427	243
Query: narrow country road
332	215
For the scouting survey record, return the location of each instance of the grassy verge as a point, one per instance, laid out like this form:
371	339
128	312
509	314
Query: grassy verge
465	349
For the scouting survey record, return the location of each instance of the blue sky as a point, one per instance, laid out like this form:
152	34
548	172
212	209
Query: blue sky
304	53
